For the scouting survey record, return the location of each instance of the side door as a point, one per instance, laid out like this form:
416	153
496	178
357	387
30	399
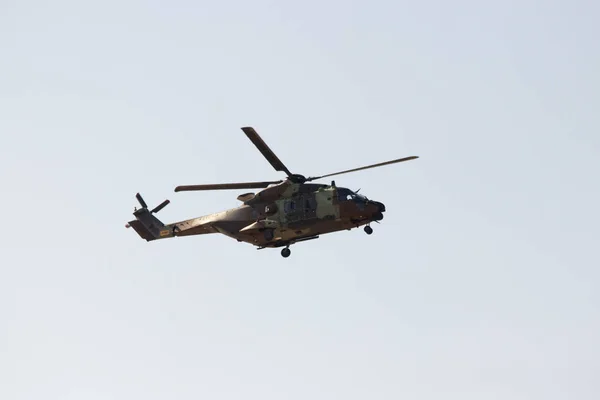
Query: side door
309	202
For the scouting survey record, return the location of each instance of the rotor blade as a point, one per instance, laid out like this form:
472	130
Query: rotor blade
265	150
160	206
225	186
361	168
141	200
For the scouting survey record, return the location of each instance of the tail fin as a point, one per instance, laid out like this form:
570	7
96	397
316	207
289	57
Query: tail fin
147	225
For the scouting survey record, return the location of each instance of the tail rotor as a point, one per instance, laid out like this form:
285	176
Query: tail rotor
145	206
147	225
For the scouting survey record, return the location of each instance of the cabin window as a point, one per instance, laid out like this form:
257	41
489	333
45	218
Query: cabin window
290	206
310	203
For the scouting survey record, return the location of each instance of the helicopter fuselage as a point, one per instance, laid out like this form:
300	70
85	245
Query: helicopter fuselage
278	216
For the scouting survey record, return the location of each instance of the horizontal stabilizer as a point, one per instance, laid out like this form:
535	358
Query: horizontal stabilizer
141	230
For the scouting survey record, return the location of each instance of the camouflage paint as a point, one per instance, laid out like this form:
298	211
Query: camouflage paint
302	210
284	212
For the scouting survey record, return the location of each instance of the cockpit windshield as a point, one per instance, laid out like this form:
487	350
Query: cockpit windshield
360	197
347	194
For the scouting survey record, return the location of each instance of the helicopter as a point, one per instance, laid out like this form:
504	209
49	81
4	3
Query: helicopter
283	213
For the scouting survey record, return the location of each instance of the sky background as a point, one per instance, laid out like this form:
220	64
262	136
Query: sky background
480	283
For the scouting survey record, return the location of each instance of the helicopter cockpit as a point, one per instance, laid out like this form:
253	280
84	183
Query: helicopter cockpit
347	194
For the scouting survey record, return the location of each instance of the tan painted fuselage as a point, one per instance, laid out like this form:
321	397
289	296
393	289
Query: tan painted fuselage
281	215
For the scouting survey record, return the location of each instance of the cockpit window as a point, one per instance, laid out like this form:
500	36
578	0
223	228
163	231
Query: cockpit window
344	194
347	194
360	197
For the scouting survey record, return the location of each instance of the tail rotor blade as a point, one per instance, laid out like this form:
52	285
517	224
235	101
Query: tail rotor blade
141	200
160	206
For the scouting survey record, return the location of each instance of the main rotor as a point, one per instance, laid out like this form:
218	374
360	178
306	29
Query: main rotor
278	166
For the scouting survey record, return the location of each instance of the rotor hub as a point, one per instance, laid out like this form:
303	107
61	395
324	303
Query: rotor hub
297	178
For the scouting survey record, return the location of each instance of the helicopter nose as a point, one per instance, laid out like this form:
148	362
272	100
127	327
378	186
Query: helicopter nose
380	205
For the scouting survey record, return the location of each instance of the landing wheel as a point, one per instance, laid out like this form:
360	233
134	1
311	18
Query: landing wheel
285	253
368	230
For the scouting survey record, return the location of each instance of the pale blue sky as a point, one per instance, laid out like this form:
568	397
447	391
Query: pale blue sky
480	283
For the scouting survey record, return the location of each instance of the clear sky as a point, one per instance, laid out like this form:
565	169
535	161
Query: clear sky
480	283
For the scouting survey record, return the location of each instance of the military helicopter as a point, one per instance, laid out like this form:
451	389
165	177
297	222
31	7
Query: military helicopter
283	213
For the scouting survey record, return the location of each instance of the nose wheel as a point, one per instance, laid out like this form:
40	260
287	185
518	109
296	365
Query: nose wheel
368	230
285	253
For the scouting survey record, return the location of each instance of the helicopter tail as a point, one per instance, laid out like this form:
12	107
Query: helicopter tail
147	225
